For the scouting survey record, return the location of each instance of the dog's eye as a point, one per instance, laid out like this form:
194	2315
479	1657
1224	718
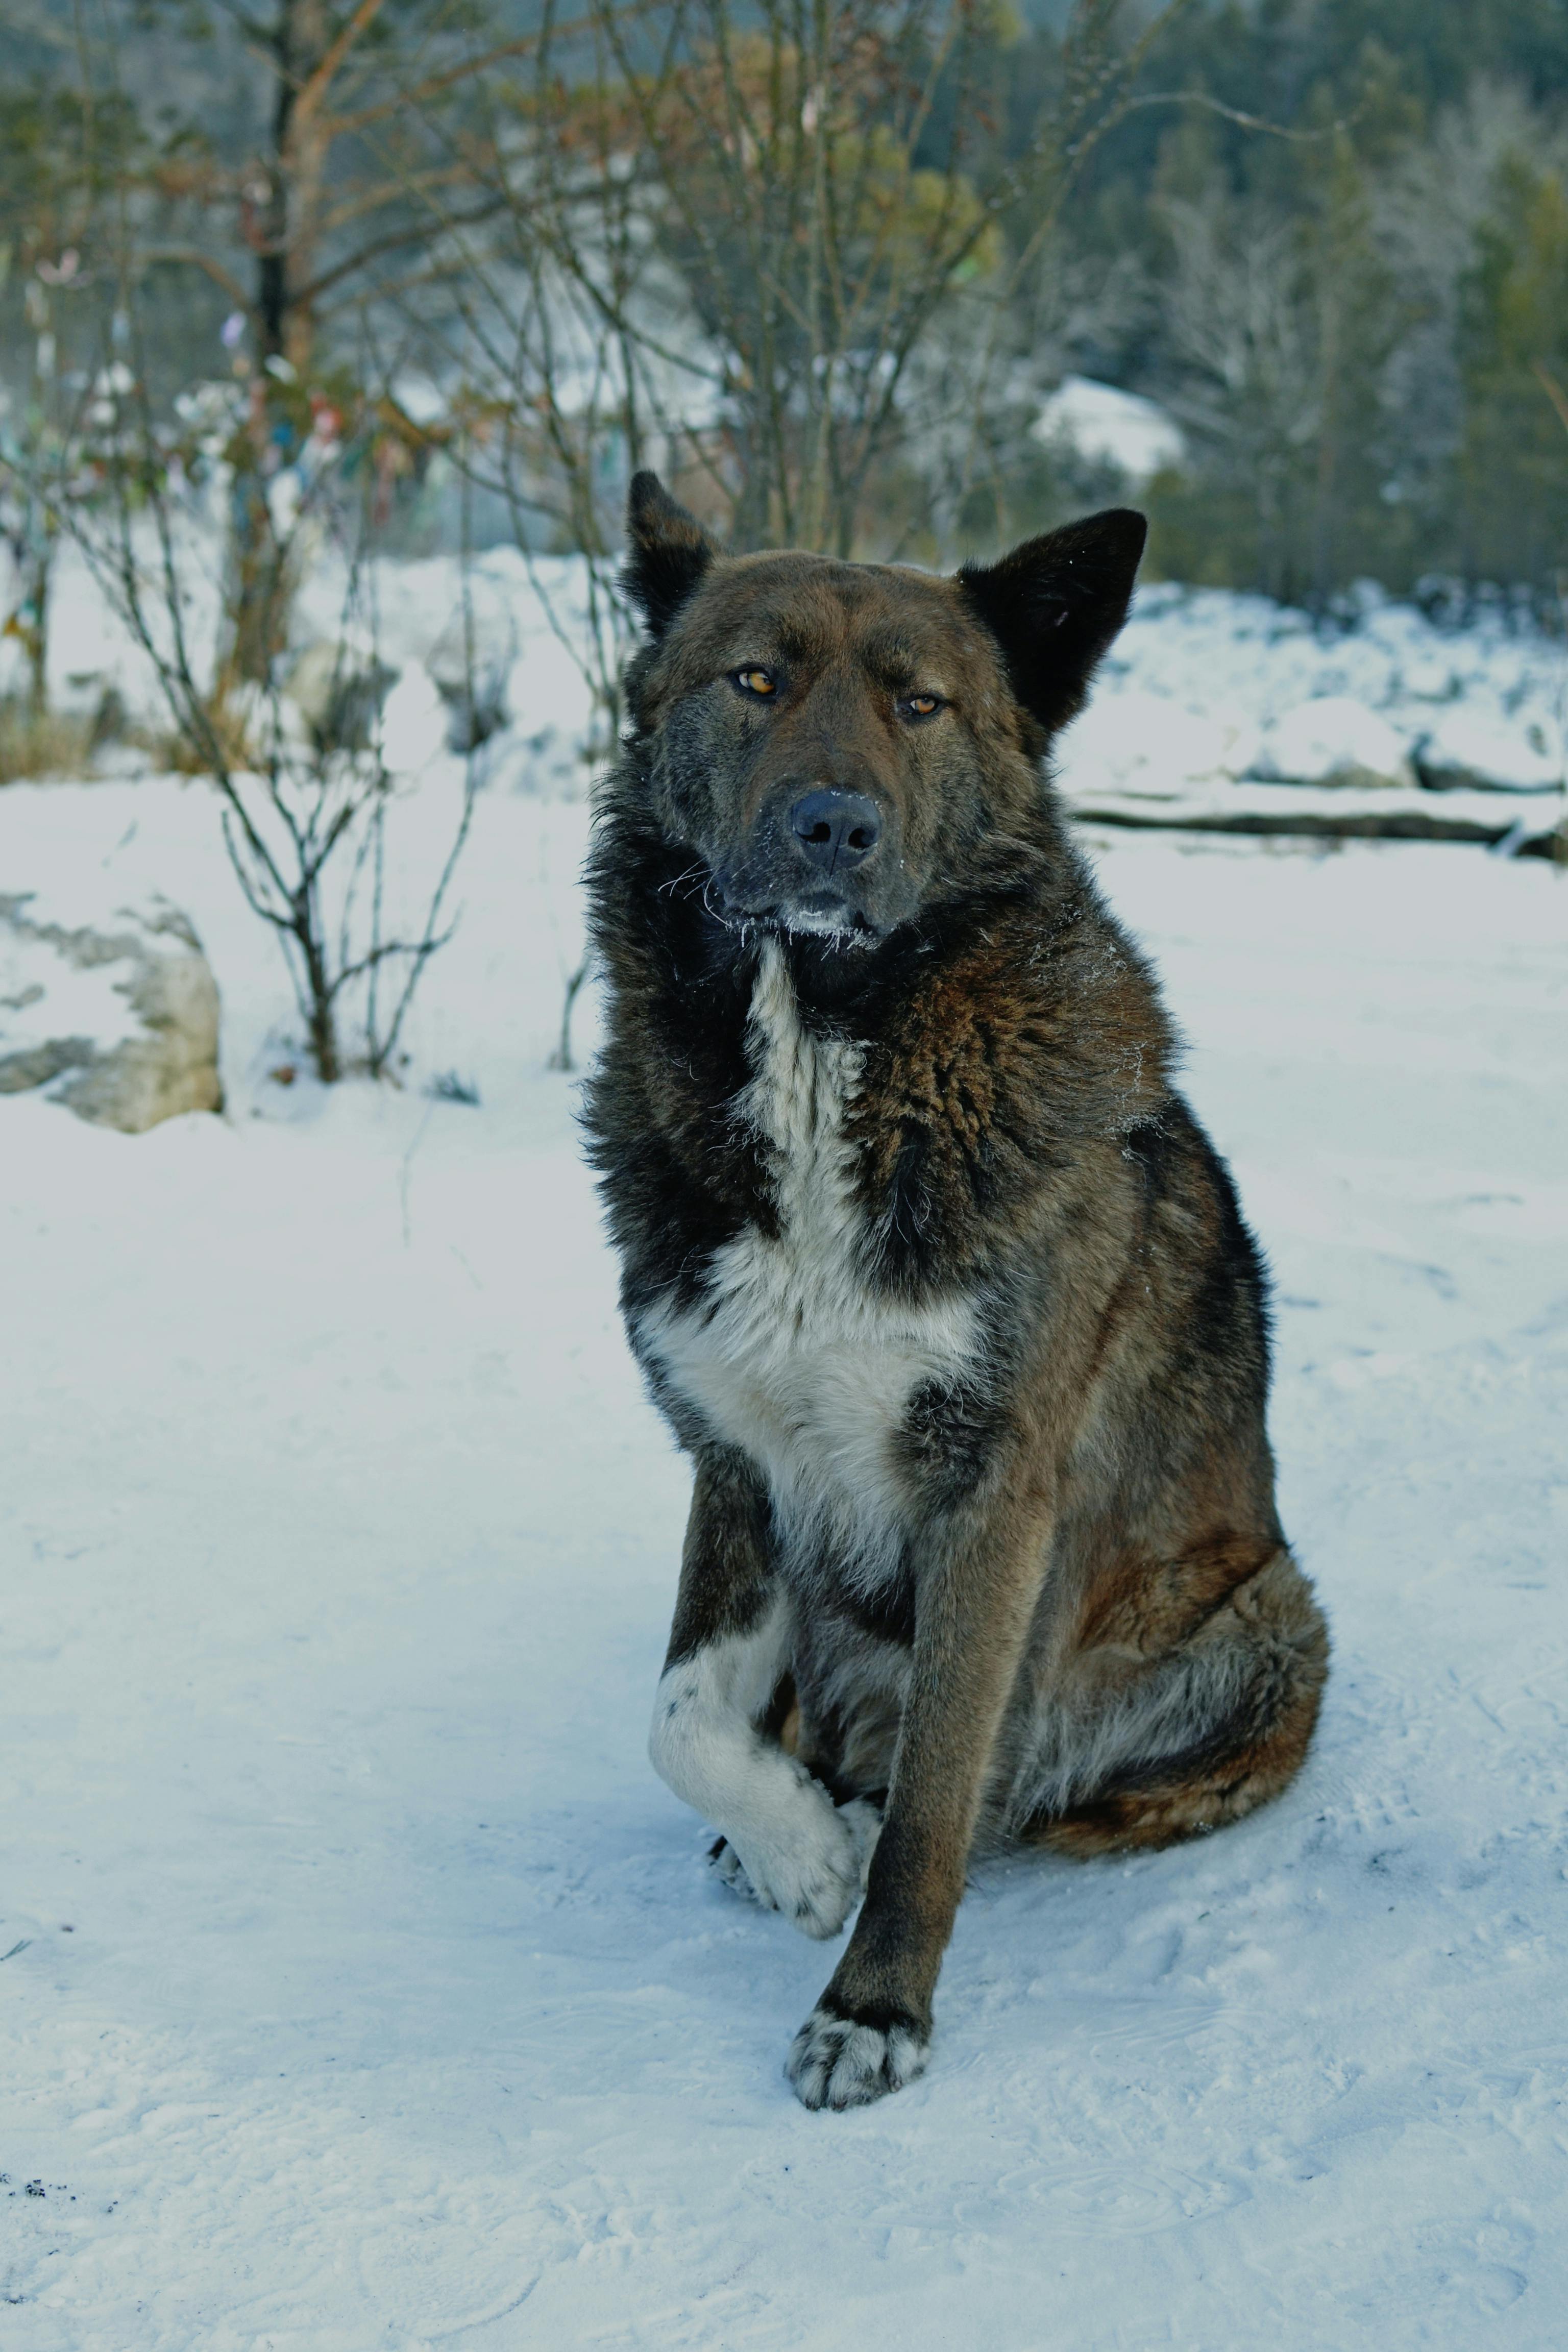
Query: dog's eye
760	682
921	706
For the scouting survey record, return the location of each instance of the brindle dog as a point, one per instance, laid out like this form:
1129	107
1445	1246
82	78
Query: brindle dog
929	1267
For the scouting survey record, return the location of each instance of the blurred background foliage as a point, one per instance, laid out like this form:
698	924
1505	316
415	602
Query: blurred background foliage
827	264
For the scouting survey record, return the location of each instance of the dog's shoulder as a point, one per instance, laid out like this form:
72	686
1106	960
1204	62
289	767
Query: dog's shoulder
1029	1044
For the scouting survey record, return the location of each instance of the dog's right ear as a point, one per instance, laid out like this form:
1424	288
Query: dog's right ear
668	553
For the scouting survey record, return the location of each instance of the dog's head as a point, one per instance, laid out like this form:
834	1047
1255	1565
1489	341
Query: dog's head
844	745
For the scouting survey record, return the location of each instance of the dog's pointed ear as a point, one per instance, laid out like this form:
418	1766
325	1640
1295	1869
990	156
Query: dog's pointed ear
667	551
1055	604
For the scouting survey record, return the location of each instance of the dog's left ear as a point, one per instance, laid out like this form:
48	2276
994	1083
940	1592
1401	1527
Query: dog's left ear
667	551
1053	605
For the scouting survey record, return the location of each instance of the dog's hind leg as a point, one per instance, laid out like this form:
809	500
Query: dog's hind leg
1148	1753
785	1843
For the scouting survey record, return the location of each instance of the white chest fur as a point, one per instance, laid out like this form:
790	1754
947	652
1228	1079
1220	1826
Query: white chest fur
792	1355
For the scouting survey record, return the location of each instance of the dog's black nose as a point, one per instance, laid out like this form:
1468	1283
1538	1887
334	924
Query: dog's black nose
835	828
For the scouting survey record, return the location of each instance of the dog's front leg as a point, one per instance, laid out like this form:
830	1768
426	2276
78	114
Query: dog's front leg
976	1591
784	1841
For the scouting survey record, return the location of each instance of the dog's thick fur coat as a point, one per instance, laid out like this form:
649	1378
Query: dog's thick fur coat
929	1267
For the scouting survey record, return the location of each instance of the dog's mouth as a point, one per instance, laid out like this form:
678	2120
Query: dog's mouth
821	917
840	925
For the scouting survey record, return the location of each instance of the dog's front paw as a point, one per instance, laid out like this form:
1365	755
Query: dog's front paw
847	2062
730	1871
815	1879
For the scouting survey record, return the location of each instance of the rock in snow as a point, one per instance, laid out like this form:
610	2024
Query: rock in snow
1333	740
471	663
1148	743
120	1019
338	689
416	725
1111	427
1467	746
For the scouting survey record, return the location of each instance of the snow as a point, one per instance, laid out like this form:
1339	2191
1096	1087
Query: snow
362	1988
543	602
1137	741
1470	745
415	607
1111	427
1480	706
44	995
1205	688
1332	740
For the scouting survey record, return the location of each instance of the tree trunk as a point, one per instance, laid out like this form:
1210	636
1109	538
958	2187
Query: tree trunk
263	570
35	627
296	172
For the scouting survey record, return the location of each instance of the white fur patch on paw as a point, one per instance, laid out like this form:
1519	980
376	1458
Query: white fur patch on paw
819	1876
729	1869
835	2063
864	1824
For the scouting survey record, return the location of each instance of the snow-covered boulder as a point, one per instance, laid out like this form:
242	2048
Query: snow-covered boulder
1333	740
337	691
1111	427
1427	678
471	663
119	1019
1137	742
1468	745
415	724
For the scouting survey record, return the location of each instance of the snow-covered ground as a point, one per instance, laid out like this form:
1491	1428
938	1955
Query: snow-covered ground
362	1991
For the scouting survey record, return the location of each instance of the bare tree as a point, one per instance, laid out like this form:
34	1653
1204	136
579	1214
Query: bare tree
720	243
59	151
1430	204
760	218
37	446
1241	324
361	171
299	762
1284	326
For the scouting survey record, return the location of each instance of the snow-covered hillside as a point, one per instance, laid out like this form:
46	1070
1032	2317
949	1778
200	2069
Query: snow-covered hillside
361	1989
